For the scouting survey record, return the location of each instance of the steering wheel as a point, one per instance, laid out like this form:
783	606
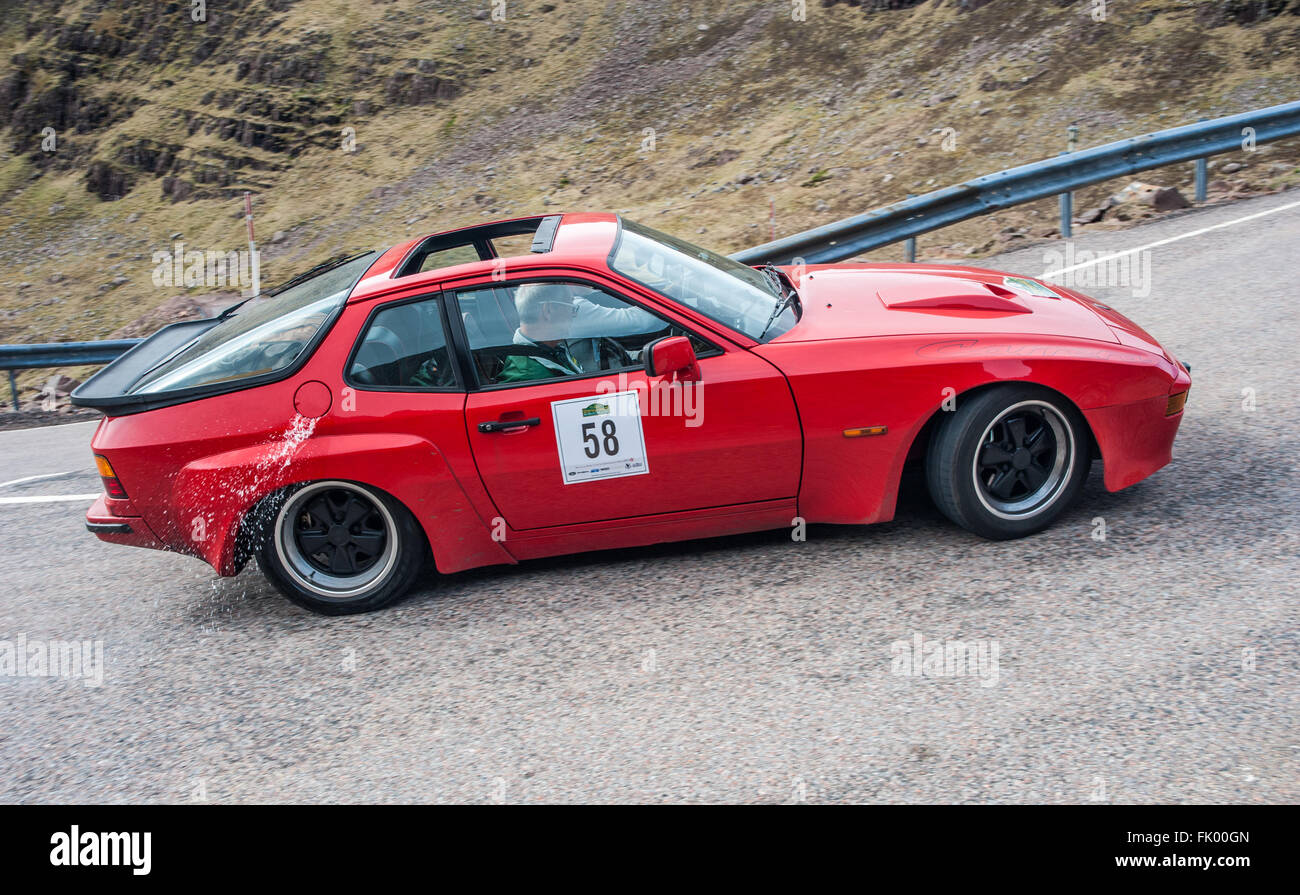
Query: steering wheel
624	356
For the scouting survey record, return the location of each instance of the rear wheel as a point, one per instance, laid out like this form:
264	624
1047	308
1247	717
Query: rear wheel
338	547
1008	461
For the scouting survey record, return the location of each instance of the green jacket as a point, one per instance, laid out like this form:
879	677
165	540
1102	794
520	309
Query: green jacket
523	368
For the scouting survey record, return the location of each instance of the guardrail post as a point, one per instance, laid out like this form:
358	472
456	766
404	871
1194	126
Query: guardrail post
909	244
1202	175
1067	212
13	390
1071	144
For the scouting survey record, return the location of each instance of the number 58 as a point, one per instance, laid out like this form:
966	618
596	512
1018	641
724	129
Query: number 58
592	443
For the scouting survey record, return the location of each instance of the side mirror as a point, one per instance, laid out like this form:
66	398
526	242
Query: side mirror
673	358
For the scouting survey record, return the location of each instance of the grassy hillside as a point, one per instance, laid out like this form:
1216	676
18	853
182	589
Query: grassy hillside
694	118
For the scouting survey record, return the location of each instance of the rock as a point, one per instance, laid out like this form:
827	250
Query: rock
1092	215
133	217
1169	199
59	386
896	93
119	281
1149	194
278	237
701	27
178	234
55	277
1231	168
481	14
821	206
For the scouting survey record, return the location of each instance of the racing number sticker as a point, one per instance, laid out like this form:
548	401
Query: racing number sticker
599	437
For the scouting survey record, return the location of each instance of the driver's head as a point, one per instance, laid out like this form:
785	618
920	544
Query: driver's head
545	311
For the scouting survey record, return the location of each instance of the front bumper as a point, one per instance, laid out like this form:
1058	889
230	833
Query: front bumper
1137	438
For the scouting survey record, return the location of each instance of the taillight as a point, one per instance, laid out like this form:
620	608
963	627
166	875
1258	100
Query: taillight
106	474
1175	403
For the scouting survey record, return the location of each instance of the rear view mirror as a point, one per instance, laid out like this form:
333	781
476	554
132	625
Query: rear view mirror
673	358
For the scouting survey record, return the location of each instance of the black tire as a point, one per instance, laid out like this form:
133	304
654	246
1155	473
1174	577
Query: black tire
1008	461
338	547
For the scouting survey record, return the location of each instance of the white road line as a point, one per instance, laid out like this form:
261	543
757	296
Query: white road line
33	478
1161	242
47	498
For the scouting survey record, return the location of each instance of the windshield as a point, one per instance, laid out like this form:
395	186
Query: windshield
263	335
715	285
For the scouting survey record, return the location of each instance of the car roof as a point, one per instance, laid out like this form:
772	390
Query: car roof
582	239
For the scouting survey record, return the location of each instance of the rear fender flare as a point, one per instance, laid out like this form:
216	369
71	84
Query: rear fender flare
222	490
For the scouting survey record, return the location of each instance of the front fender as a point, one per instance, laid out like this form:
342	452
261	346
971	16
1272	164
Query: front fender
900	384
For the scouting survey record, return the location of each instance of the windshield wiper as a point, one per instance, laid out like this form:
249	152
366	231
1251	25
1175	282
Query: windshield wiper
324	267
773	273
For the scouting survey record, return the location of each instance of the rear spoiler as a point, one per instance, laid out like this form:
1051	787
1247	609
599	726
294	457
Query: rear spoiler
109	389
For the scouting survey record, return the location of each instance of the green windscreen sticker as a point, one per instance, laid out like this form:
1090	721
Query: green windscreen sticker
1031	286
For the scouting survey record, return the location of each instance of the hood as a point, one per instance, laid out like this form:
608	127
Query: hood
844	301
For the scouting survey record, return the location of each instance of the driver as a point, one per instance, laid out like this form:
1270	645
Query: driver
558	320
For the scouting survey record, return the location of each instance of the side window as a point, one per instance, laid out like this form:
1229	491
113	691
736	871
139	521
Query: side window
404	346
524	332
463	254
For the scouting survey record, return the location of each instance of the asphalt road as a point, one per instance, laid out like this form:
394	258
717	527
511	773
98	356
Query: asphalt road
1158	665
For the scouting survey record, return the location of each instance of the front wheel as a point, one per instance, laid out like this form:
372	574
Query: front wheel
338	548
1008	461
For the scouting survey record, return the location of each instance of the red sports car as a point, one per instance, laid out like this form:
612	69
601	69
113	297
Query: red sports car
577	382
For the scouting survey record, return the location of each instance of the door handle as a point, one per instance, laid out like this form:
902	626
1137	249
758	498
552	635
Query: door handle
502	425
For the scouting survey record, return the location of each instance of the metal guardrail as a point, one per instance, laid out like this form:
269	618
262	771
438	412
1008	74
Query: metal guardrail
901	221
992	192
58	354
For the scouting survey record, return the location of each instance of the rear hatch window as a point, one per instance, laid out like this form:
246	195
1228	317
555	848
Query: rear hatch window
260	336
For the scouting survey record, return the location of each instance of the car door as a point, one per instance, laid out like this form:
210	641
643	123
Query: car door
610	442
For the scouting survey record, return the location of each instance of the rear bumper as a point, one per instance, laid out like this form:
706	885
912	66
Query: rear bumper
111	521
